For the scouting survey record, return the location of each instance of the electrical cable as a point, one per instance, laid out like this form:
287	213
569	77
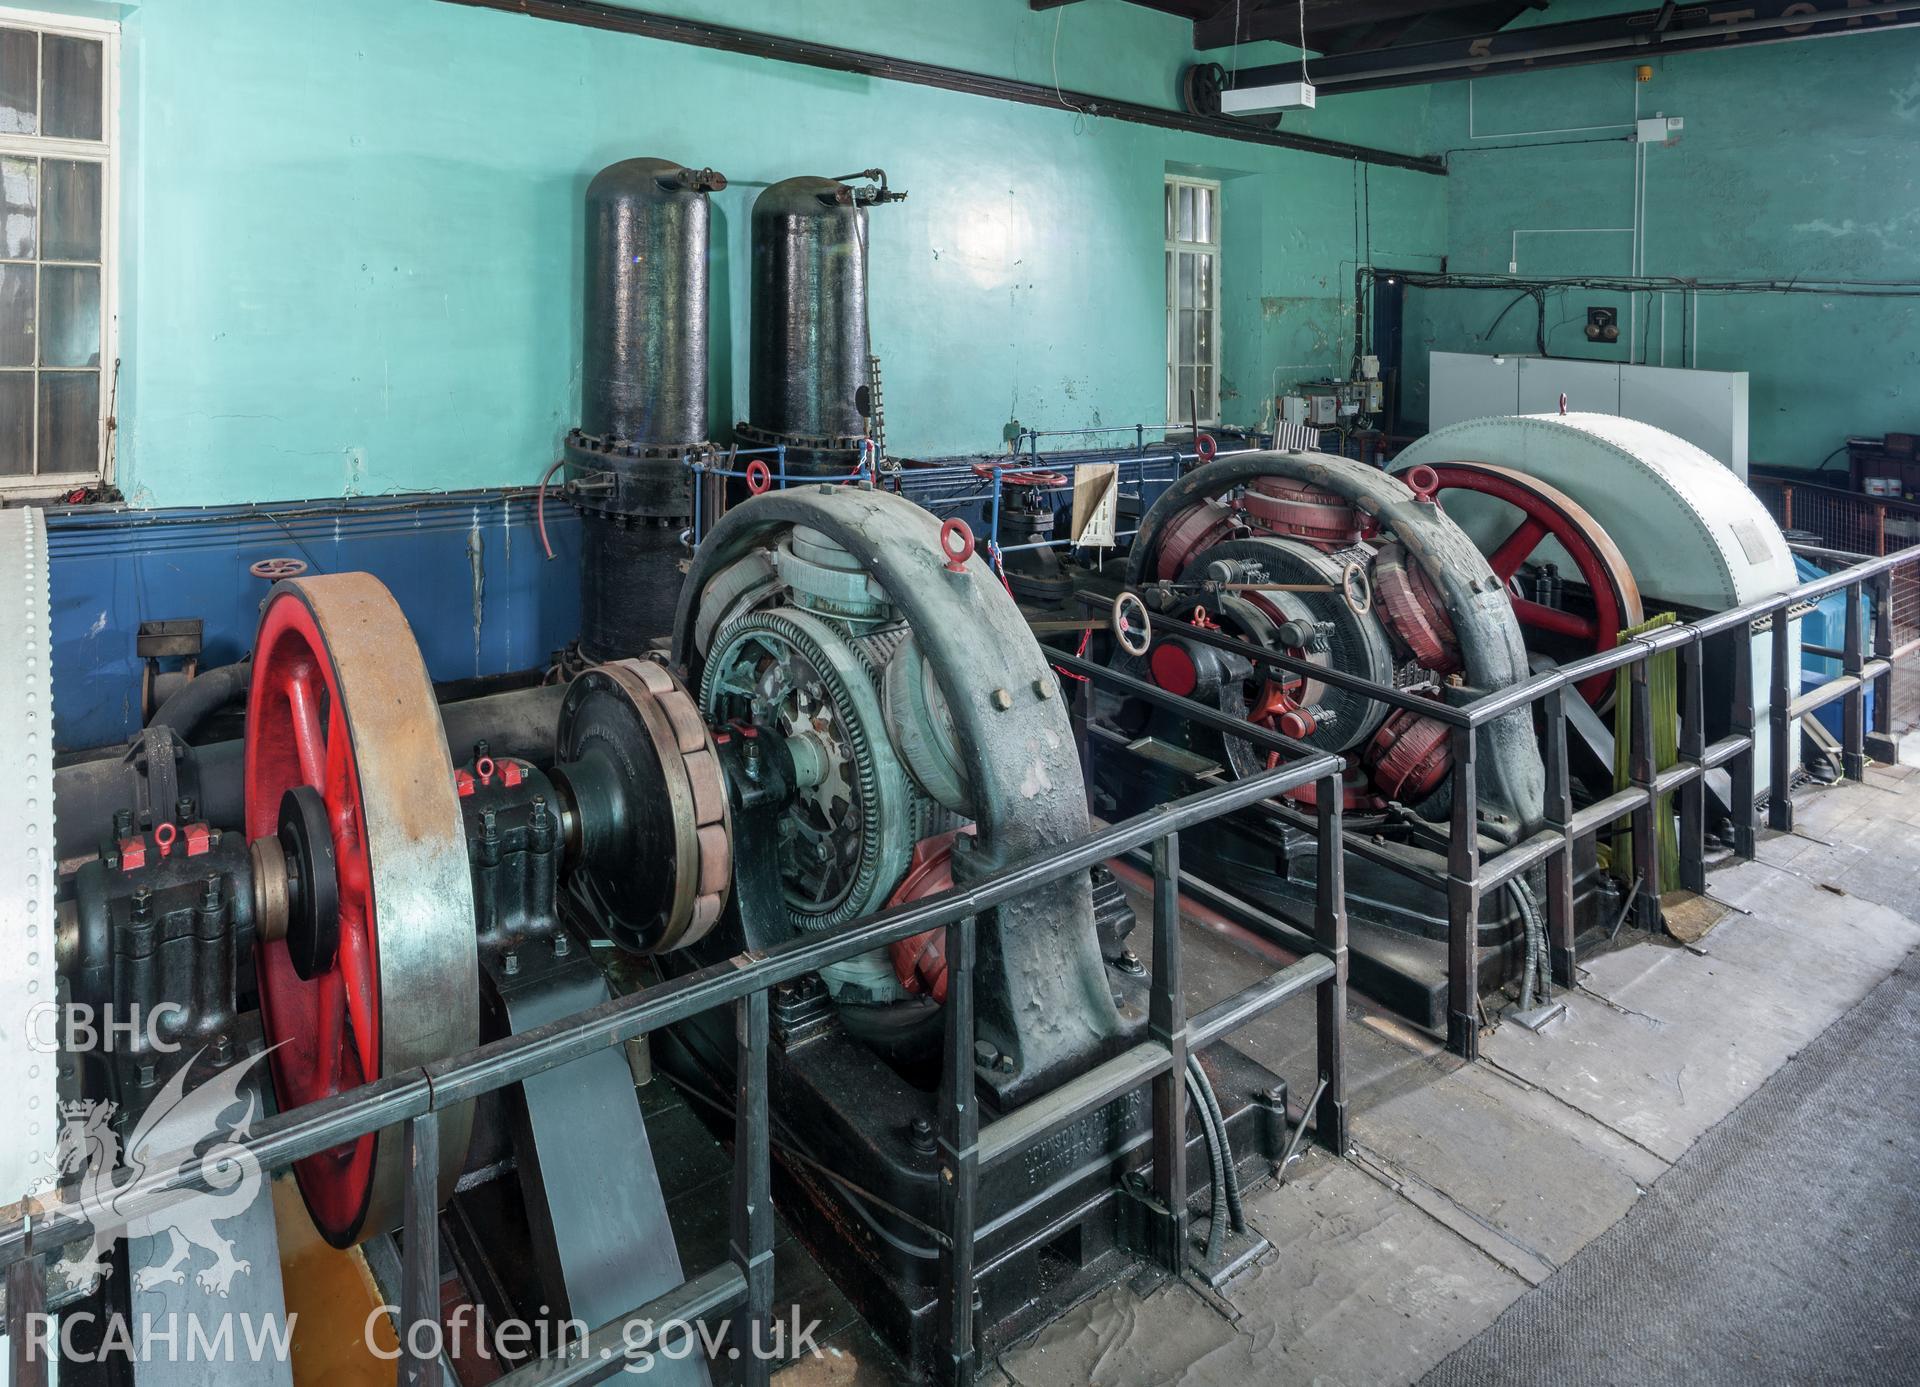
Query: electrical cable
1831	288
540	505
1210	1103
1216	1163
1536	970
1059	15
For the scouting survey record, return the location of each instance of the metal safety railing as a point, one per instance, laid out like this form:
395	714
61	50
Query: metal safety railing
1855	524
743	1284
1476	866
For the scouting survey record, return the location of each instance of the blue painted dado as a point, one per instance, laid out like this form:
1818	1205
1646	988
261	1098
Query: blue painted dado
466	567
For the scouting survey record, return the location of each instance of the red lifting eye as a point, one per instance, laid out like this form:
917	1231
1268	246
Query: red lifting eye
956	542
759	476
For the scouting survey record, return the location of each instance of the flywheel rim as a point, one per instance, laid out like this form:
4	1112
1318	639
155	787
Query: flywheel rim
340	701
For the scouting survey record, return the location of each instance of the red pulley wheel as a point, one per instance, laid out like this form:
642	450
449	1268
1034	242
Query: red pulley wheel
1547	513
341	703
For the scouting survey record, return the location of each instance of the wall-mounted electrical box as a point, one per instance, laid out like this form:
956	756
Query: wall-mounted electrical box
1322	404
1659	129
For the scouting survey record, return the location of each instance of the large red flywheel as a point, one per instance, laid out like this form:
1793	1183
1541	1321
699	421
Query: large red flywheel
375	971
1544	514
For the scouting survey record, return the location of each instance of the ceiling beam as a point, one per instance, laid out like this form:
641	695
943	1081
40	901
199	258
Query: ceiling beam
619	19
1712	27
1280	19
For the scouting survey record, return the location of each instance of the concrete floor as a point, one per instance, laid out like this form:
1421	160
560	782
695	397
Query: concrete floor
1468	1184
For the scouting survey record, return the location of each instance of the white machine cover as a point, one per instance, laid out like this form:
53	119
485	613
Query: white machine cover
1691	531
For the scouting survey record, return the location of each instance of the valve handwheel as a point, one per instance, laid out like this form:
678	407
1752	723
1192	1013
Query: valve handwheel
341	712
1547	513
1132	626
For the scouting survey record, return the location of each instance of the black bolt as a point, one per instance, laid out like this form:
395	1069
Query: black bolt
145	1074
142	903
222	1049
122	822
183	809
511	963
561	947
984	1054
1130	964
921	1135
489	826
479	749
211	901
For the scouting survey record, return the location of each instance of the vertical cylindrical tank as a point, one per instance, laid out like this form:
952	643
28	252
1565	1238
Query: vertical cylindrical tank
809	338
644	358
643	396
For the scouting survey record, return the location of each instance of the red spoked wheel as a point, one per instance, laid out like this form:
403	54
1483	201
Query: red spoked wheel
341	713
1546	513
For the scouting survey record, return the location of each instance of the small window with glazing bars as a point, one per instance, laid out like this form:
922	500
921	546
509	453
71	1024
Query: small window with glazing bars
57	232
1193	299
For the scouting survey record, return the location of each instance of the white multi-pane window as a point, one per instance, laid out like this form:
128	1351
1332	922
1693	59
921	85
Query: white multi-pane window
1193	300
58	186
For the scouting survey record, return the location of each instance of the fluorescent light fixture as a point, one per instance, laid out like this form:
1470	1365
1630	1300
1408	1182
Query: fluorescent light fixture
1265	100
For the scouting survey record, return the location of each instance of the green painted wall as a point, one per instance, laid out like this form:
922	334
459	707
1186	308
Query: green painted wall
1798	159
351	228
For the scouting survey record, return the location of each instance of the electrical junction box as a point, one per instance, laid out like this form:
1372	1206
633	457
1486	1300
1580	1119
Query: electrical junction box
1660	129
1264	101
1315	407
